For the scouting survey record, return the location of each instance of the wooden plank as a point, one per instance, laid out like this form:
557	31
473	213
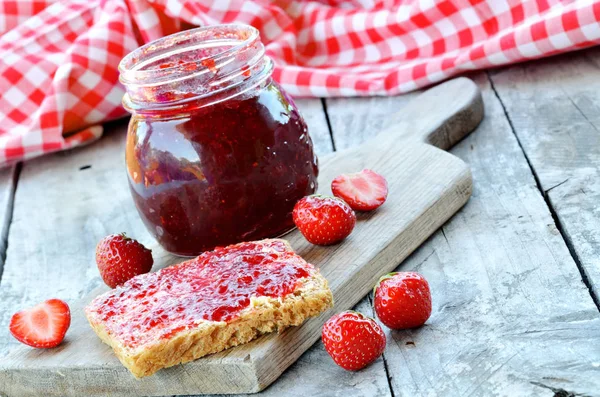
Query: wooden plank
511	315
8	184
355	120
440	185
554	109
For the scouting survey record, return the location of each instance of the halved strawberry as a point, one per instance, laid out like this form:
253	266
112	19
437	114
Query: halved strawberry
42	326
363	191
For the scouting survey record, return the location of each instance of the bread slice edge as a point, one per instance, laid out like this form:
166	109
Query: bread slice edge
264	315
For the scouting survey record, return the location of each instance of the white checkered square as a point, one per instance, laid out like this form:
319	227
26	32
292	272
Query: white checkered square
147	19
560	41
14	96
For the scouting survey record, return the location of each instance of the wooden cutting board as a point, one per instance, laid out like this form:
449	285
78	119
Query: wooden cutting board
427	186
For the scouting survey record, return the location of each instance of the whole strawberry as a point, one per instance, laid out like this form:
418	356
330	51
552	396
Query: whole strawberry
42	326
324	220
121	258
353	340
403	300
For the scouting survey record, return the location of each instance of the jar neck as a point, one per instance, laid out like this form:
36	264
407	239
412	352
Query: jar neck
201	66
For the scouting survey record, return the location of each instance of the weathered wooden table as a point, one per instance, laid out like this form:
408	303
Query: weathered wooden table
515	275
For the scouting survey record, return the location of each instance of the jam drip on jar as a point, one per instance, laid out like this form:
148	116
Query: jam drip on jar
216	286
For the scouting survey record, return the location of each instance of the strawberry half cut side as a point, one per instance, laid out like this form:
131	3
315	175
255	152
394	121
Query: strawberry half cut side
363	191
42	326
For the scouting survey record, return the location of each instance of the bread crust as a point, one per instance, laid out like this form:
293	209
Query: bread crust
263	315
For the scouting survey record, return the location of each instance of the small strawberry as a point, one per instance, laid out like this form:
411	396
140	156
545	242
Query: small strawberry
363	191
120	258
323	220
353	340
42	326
403	300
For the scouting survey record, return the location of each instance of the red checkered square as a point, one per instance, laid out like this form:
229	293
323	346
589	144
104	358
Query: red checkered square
59	78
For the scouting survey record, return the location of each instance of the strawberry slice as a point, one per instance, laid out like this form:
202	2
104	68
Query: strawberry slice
363	191
42	326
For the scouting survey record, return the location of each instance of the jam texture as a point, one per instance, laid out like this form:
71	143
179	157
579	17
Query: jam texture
217	175
216	286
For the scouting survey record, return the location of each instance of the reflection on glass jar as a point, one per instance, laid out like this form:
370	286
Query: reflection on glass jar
217	152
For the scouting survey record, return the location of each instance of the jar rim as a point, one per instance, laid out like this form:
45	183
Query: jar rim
211	63
131	66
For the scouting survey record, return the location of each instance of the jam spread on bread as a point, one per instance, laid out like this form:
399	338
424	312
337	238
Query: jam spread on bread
216	286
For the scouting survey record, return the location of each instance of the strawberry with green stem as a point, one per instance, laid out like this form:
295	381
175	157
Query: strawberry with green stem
353	340
120	258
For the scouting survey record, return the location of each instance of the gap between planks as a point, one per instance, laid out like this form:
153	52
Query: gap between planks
557	221
368	299
9	178
324	104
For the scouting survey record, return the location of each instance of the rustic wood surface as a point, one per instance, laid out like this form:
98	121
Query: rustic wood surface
8	184
482	264
557	121
381	239
511	315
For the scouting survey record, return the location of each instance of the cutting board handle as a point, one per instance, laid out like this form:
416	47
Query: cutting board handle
441	116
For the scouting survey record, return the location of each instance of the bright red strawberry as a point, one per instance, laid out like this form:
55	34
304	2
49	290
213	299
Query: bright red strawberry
353	340
403	300
120	258
324	220
42	326
363	191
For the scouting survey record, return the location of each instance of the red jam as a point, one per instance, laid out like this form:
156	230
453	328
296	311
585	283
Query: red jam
219	156
216	286
223	174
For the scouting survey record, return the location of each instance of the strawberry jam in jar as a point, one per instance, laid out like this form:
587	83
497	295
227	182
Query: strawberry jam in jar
217	152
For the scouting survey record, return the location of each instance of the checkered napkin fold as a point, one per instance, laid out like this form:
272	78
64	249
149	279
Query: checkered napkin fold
58	59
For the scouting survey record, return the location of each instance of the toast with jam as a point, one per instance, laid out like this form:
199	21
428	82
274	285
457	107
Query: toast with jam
220	299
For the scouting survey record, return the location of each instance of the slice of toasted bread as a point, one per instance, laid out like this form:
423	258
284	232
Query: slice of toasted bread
146	332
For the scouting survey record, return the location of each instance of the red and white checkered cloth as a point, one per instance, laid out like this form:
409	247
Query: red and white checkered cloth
58	59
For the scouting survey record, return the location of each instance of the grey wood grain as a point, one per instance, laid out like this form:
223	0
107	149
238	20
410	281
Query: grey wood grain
354	120
8	184
554	109
511	314
441	185
314	115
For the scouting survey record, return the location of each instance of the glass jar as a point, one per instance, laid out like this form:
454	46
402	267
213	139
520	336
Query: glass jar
217	152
